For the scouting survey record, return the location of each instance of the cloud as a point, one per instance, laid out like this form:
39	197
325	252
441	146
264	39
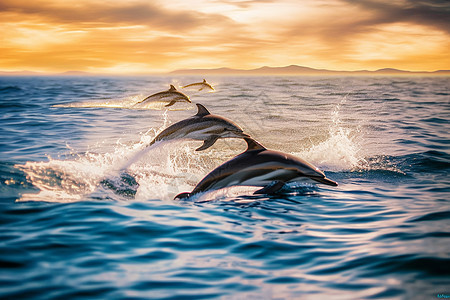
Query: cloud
245	4
82	37
337	34
114	13
433	13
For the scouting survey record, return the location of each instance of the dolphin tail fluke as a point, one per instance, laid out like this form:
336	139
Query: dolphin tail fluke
208	143
188	85
326	181
151	143
141	101
182	196
271	188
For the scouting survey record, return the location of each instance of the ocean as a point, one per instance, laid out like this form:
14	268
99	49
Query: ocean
383	233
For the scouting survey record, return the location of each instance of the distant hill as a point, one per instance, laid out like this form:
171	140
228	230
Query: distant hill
445	72
299	70
288	70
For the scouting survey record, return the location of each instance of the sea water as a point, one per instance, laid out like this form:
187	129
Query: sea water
383	233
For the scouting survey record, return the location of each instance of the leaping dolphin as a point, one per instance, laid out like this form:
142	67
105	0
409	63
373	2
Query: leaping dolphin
258	166
202	126
201	85
172	96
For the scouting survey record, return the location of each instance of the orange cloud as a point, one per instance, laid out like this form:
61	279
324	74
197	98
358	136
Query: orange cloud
142	37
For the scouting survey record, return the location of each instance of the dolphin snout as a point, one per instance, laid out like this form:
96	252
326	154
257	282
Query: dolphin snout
234	133
240	134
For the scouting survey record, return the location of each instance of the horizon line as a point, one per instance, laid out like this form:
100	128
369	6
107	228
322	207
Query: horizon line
227	70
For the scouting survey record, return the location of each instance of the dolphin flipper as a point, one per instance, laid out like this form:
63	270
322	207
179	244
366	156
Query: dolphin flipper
182	196
171	103
208	142
271	188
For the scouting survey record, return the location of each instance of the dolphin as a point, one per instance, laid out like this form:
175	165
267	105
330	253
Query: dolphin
202	126
172	96
260	167
201	85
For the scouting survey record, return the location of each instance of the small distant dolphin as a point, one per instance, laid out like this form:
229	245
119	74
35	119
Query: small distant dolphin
172	96
202	85
258	166
202	126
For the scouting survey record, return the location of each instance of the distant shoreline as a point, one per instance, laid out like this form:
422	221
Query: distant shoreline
292	70
303	71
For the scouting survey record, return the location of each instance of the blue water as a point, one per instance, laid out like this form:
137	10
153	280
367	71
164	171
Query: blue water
383	233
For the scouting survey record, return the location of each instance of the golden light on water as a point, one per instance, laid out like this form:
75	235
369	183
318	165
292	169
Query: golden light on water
160	36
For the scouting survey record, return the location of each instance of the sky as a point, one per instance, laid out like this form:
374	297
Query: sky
153	36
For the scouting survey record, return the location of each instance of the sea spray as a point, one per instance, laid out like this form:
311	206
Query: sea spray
125	103
79	174
341	151
142	147
161	171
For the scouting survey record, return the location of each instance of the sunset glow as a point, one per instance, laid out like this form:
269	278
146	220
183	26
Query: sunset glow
160	36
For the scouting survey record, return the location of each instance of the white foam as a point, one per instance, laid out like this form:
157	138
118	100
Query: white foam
341	151
161	171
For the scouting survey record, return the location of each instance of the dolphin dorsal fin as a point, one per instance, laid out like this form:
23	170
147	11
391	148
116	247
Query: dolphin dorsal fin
202	111
253	145
172	88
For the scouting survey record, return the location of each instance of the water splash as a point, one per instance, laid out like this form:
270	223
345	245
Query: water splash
126	103
159	174
341	151
144	148
160	171
166	169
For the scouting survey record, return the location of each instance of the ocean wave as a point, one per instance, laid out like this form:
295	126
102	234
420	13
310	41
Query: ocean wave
10	88
13	182
433	216
430	161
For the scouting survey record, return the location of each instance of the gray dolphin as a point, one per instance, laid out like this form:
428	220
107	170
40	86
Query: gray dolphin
201	85
258	166
202	126
172	96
